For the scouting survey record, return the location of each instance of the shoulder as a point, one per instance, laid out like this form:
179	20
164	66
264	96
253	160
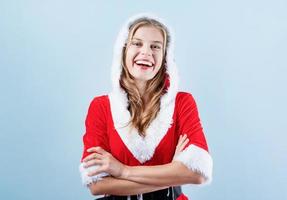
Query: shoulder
184	97
99	102
185	103
100	99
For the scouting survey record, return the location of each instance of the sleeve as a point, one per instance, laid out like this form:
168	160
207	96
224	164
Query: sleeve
195	156
95	135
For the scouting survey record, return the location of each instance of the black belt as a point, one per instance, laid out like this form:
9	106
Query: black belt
170	193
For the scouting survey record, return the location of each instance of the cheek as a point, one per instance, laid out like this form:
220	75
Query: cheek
130	54
127	57
129	61
157	69
159	60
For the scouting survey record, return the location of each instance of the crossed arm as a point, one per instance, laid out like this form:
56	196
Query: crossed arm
120	187
127	180
145	179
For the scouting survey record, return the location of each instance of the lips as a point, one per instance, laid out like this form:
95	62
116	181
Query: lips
144	64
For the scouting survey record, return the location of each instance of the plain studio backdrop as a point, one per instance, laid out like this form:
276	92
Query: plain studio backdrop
55	56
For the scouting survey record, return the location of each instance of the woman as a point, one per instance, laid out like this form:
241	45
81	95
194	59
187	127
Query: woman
144	138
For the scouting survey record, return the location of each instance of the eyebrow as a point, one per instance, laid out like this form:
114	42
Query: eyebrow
154	41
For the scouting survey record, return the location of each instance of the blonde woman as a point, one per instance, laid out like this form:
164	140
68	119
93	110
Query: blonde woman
144	139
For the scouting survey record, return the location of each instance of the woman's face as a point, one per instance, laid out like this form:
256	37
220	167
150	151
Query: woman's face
144	53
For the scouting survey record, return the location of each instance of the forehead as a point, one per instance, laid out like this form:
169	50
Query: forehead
148	33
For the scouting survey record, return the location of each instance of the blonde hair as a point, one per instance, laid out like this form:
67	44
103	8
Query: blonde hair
143	113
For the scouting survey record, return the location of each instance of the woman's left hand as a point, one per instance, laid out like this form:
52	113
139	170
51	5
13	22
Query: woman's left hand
106	162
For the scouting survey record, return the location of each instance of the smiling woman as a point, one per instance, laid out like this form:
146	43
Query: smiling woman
143	73
144	54
144	140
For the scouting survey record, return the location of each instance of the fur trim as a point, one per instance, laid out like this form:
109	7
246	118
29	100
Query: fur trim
197	160
142	148
87	180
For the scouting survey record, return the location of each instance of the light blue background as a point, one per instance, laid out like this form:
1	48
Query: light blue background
55	56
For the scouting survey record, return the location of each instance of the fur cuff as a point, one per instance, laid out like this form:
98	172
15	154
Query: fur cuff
87	180
197	160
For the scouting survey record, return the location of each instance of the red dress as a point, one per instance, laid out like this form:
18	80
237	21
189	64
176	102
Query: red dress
101	131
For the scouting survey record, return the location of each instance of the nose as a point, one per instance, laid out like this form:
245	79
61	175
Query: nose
146	51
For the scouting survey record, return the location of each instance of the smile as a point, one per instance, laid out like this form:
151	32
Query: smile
144	64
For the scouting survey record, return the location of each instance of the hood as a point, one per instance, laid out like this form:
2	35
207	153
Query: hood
171	71
142	148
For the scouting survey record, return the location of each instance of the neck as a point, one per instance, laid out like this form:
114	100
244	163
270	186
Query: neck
141	85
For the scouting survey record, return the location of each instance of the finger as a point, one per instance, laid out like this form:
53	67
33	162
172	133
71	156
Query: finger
181	147
181	139
182	142
93	149
93	156
96	172
101	150
97	149
93	162
184	136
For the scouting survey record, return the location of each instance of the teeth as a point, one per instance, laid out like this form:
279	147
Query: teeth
144	62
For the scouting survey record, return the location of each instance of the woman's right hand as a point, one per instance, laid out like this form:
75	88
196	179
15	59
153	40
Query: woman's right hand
182	141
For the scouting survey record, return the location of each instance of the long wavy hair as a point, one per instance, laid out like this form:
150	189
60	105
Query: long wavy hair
143	113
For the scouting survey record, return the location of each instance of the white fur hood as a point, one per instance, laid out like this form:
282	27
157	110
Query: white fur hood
142	148
171	66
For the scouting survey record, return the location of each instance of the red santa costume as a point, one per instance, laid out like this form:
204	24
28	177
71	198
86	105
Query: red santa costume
108	116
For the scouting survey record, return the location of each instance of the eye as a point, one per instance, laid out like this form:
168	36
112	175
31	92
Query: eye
137	44
154	46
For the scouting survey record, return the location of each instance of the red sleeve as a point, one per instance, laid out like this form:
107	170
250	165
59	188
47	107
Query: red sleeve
195	156
96	126
189	121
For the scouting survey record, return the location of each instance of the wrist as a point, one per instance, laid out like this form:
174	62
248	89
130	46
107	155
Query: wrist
126	172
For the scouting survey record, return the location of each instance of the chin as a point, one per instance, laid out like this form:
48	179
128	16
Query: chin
141	79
